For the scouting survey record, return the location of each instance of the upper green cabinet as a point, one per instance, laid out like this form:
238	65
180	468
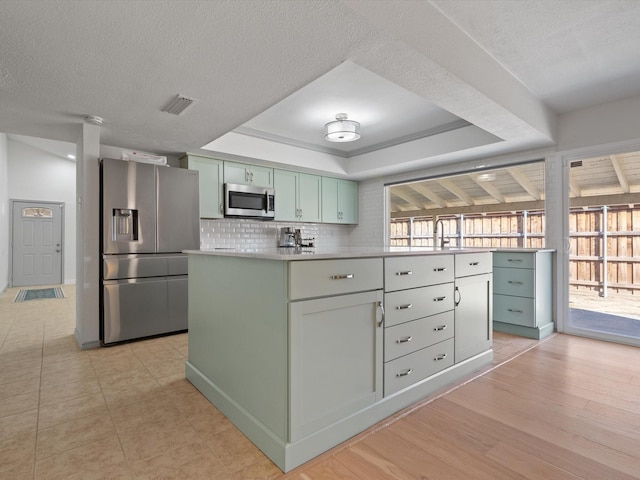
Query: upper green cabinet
339	201
244	174
298	196
210	183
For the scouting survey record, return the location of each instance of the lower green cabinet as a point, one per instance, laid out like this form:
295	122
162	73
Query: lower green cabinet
335	360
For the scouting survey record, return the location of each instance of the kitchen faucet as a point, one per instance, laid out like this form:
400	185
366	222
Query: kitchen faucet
443	241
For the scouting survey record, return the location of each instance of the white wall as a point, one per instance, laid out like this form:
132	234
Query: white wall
605	124
41	176
4	214
87	180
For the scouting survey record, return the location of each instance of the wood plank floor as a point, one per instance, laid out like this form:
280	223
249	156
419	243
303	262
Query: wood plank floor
569	408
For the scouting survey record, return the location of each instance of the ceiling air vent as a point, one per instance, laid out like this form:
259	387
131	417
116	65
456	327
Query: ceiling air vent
178	105
577	163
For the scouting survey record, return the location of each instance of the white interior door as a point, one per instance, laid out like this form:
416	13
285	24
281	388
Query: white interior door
36	243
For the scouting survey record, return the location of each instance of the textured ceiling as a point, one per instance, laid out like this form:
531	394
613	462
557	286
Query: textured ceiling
506	67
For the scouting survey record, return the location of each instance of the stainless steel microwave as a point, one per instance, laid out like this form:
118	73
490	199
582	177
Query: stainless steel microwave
248	201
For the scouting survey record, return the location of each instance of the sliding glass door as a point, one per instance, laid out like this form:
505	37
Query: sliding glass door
603	272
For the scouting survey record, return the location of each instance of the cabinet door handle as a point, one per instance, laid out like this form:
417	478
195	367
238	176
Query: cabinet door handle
457	302
474	264
440	328
404	374
514	282
440	269
442	356
513	310
342	277
406	272
404	307
221	208
381	307
515	260
404	340
439	299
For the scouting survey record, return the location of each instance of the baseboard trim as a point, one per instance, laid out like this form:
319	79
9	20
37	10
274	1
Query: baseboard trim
287	455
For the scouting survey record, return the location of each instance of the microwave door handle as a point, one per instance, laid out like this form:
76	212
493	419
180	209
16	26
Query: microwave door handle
266	194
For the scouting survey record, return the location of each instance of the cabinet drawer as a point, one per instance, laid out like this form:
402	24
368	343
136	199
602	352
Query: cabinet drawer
407	305
513	259
405	371
514	281
515	310
412	336
318	278
411	272
473	263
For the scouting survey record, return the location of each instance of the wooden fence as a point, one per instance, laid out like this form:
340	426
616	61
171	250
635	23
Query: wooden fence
605	241
605	249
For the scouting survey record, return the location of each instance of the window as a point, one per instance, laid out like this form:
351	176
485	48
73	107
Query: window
493	208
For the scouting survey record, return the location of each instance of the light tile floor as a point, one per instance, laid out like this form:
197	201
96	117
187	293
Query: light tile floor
123	412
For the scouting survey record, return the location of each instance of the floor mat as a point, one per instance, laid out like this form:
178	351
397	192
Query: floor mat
38	294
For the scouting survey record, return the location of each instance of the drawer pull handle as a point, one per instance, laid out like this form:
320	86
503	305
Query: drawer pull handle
440	269
404	307
406	272
404	340
342	277
439	299
442	356
513	310
474	264
404	374
440	328
513	282
515	260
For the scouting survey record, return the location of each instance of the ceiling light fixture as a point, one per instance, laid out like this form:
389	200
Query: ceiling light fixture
486	177
342	130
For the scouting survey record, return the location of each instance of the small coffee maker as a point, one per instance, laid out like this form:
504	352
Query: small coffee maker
287	237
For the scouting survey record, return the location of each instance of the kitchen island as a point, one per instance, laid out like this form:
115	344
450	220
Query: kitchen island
304	348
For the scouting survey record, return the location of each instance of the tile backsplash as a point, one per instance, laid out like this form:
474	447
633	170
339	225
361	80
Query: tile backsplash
247	233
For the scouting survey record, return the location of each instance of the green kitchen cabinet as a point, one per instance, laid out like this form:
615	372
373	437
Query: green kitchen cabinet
298	196
523	292
473	298
210	183
245	174
333	375
339	201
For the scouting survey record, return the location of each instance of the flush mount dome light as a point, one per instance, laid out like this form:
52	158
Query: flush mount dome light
342	130
486	177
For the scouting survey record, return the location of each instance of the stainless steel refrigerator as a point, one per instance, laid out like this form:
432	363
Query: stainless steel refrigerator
149	214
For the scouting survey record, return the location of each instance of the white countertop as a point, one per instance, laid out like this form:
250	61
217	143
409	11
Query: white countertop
289	253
